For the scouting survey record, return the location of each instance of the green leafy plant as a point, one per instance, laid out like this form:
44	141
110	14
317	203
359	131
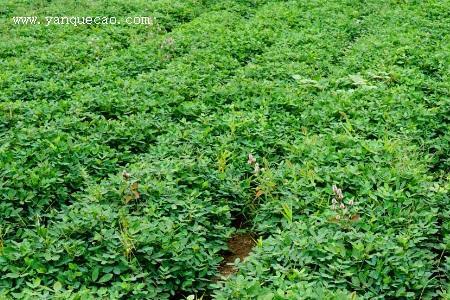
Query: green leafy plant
226	114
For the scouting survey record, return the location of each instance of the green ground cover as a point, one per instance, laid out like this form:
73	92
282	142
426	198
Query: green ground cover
124	148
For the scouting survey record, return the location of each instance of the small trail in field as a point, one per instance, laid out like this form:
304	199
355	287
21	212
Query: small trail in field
239	246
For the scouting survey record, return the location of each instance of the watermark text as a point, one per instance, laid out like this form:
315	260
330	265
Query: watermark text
80	21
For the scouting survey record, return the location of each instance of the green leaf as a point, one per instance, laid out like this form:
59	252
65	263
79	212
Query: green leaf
12	275
57	286
95	274
105	278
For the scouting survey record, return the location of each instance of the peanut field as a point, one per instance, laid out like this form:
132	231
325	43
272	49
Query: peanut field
131	155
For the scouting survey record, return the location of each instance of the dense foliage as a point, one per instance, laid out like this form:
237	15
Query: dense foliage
124	148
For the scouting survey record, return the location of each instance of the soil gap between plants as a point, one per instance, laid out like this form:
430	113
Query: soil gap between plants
239	246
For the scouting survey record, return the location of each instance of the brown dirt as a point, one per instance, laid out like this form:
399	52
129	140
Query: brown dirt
239	246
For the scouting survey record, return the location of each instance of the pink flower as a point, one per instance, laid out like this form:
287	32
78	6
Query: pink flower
126	175
251	159
334	188
257	169
338	192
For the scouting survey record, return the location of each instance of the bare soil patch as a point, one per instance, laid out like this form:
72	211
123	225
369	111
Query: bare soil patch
239	246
